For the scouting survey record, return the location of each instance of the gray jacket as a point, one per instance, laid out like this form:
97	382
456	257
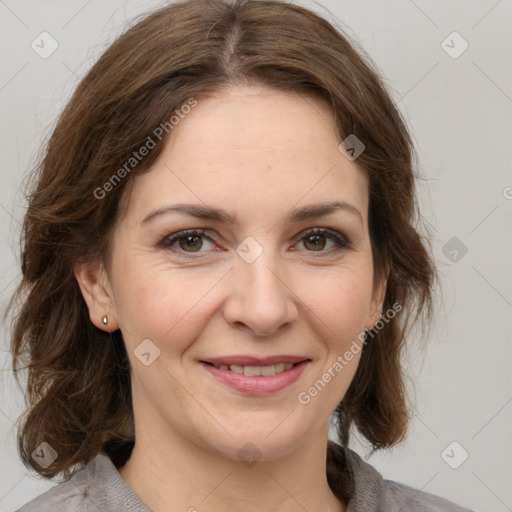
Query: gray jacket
99	488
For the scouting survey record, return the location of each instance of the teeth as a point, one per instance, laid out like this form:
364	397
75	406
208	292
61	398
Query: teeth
267	370
280	367
237	369
253	371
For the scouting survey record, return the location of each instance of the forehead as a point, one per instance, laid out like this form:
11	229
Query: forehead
253	148
256	119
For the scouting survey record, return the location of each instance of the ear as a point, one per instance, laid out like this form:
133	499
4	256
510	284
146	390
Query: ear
376	304
96	290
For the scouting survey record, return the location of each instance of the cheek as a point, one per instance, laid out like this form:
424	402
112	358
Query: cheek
158	301
162	303
342	300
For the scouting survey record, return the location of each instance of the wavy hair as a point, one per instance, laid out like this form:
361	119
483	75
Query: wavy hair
78	394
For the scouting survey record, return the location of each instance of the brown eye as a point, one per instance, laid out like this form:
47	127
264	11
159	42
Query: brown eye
192	242
315	242
187	242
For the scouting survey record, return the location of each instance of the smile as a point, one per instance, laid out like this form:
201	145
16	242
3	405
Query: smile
266	378
253	371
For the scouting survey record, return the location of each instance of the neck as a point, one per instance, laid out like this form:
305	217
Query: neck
195	479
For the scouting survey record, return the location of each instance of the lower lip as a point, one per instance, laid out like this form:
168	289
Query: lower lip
260	384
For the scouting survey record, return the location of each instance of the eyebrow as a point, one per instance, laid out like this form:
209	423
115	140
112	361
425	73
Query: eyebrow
216	214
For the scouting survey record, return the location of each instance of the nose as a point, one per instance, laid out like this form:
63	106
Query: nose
260	300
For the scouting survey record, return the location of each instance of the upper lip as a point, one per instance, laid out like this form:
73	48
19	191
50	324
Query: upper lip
255	361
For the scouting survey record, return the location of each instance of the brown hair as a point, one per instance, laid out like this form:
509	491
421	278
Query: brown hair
78	390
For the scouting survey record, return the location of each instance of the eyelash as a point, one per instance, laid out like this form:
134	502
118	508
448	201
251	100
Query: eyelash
341	242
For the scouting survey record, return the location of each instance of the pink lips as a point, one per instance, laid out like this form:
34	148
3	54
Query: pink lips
255	361
260	384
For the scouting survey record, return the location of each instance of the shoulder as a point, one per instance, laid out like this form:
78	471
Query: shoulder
63	497
370	492
400	497
98	486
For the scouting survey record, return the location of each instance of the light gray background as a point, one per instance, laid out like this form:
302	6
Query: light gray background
459	110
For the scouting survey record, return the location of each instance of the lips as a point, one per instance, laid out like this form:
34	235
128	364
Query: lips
241	360
256	375
256	366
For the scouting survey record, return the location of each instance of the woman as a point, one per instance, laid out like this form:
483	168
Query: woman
219	253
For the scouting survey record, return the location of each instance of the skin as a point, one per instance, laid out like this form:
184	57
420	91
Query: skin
256	153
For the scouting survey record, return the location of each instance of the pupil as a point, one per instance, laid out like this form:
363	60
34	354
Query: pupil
316	239
189	242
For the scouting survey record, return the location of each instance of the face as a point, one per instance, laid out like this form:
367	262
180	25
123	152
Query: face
232	307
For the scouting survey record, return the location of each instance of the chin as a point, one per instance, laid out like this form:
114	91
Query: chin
253	441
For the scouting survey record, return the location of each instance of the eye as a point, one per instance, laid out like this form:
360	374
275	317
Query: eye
189	241
316	239
192	241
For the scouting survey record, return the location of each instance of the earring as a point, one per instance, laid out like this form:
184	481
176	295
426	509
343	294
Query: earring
104	320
